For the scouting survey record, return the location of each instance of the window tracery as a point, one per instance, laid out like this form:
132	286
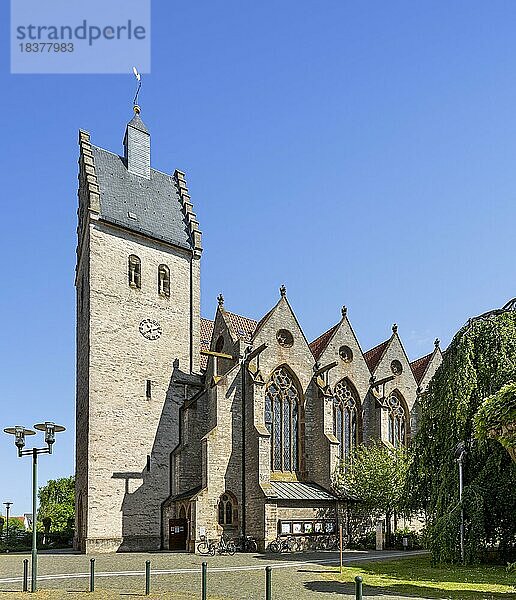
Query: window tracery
346	406
282	420
397	420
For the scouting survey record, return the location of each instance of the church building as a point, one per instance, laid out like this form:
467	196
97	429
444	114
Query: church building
189	426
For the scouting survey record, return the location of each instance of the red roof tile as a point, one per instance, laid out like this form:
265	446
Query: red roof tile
242	326
420	365
373	356
206	333
319	345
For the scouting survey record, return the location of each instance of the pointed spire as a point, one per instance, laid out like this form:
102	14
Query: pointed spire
220	300
283	291
137	140
344	311
394	328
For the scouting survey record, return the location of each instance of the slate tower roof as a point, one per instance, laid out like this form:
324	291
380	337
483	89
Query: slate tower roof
137	197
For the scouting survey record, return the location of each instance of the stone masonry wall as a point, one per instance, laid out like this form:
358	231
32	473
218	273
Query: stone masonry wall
130	437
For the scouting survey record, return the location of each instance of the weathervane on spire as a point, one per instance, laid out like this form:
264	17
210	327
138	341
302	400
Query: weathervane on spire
136	107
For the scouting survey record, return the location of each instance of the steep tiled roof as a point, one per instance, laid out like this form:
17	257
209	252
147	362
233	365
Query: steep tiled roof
319	345
373	356
420	365
242	326
206	333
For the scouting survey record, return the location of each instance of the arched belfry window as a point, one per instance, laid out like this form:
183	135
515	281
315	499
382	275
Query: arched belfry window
135	271
164	281
397	420
346	417
282	420
228	514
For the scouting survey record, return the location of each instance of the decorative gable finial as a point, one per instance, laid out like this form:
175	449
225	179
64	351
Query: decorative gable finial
220	300
394	328
283	291
344	311
437	342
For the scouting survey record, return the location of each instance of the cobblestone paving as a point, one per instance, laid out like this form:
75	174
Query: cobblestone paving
241	577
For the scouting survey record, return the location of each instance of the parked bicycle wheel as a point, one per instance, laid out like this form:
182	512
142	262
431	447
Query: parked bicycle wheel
203	547
251	546
212	549
274	547
230	547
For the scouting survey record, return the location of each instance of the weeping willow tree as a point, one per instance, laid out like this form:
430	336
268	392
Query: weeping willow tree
480	360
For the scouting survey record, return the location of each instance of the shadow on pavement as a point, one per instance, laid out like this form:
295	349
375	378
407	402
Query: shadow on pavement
400	591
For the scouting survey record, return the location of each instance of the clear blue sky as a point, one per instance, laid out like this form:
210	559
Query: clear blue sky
362	153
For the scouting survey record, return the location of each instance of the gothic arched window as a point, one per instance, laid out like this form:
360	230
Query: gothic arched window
135	271
282	420
164	281
346	417
228	514
397	420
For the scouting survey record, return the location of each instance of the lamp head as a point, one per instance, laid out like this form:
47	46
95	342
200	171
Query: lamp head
19	433
460	449
50	429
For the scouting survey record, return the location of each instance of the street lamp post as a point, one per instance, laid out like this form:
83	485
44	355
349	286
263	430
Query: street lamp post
20	433
460	450
7	508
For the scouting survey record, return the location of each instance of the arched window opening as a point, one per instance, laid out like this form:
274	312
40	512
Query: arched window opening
135	272
164	281
282	420
228	514
397	420
219	344
346	407
182	513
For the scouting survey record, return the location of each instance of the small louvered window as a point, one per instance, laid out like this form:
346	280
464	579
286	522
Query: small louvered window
135	271
164	281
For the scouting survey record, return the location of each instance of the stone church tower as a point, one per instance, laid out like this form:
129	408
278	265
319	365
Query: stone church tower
138	320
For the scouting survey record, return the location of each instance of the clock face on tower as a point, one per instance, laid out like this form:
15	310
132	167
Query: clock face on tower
150	329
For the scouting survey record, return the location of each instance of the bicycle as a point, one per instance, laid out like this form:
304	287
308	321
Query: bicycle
288	544
246	544
223	547
203	547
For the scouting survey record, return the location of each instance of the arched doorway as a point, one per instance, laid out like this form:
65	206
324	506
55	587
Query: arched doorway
178	530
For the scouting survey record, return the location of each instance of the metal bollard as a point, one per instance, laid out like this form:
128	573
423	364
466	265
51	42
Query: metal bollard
147	577
204	582
358	587
26	575
268	583
92	574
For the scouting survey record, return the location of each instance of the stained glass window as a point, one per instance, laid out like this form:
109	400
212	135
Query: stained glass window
345	417
397	420
281	420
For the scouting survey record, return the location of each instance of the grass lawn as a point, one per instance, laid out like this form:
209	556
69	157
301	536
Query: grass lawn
415	577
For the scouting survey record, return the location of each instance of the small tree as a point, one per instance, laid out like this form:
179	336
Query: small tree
57	503
376	474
